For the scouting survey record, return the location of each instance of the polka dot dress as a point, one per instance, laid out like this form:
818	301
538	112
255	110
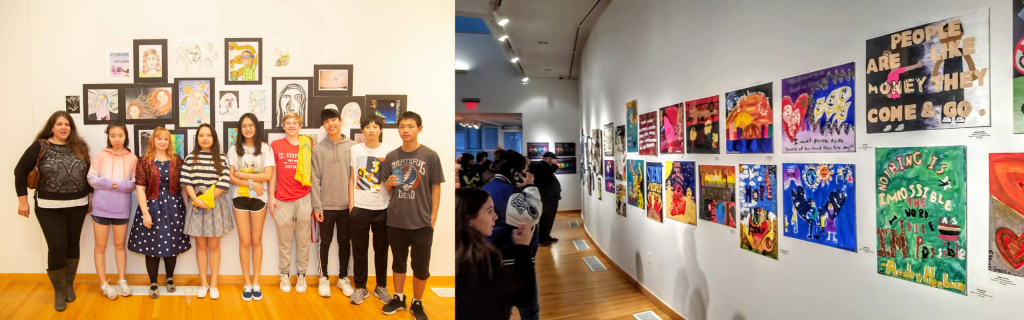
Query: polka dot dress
166	238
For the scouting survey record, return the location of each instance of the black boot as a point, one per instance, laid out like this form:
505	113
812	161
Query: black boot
72	270
57	279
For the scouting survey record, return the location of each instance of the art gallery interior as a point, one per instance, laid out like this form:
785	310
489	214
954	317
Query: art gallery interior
836	153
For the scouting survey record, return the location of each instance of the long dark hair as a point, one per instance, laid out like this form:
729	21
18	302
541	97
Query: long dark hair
74	141
214	148
464	161
257	139
473	254
117	124
511	162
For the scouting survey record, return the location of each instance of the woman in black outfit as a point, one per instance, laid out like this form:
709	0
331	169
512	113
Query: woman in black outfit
485	287
62	198
468	176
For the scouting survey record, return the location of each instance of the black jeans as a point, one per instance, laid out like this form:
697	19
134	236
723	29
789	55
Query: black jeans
340	219
363	221
547	217
62	229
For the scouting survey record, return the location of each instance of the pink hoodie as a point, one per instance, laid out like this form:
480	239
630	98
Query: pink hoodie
107	168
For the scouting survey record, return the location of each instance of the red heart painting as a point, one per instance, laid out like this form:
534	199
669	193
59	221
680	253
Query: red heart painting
1011	247
1006	179
793	115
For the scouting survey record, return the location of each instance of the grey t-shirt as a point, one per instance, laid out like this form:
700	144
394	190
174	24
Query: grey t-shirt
411	200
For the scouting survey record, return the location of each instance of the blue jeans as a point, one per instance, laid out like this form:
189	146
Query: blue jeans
529	307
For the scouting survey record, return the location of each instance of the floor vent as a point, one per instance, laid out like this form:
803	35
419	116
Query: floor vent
594	264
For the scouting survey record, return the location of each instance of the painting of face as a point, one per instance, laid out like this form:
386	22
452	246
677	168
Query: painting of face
351	114
242	63
102	103
290	95
228	103
150	61
148	102
194	107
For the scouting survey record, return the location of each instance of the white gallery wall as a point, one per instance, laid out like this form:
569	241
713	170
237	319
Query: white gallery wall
550	107
661	53
55	46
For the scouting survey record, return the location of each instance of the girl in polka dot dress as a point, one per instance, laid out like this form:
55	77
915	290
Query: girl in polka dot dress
158	228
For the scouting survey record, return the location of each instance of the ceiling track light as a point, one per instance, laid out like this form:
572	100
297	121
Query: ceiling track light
503	22
503	37
515	59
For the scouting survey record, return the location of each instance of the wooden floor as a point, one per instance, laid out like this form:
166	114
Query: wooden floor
569	290
34	300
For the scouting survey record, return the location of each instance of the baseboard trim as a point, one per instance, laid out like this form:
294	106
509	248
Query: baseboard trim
193	279
568	212
632	281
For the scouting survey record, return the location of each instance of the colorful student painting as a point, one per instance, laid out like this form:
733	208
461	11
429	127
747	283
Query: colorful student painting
536	150
672	129
120	64
681	191
921	215
608	140
149	102
620	199
819	204
150	60
749	120
655	188
388	107
194	103
566	166
632	127
717	194
609	176
759	227
702	125
818	111
1018	67
565	149
242	61
1006	213
931	76
620	153
649	134
635	176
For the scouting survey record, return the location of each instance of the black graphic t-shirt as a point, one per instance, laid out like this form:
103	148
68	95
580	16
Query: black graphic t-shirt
411	200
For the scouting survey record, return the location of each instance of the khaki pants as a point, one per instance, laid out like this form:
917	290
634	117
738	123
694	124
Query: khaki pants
293	221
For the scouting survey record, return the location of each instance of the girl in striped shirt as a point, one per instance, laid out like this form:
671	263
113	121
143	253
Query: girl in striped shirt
207	218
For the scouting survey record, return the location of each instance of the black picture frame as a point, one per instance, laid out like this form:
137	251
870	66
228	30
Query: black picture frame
565	149
88	106
319	91
209	98
226	130
139	144
238	102
140	56
274	131
353	132
276	113
258	56
369	107
173	119
318	104
73	104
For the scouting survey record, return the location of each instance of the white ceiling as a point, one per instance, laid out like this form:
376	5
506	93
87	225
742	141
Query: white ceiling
558	23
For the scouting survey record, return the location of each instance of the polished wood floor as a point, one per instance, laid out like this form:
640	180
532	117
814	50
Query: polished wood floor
569	290
34	300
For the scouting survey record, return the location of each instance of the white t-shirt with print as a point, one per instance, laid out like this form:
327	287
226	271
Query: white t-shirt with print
250	163
369	192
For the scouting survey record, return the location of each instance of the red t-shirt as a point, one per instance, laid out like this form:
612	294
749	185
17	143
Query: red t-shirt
286	157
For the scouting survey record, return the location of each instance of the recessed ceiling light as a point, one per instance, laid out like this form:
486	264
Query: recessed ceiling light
514	59
542	42
526	79
503	22
503	37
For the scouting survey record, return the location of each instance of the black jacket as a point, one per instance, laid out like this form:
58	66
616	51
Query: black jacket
483	297
545	180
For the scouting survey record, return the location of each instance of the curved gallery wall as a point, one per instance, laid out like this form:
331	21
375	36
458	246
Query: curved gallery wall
843	196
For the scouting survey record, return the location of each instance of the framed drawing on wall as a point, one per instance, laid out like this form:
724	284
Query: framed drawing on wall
149	103
349	109
230	134
179	140
332	80
388	107
242	61
194	103
291	94
150	60
103	103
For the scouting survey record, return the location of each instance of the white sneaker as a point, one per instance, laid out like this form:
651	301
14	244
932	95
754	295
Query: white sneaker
345	286
109	291
123	287
325	287
300	283
202	292
286	283
214	293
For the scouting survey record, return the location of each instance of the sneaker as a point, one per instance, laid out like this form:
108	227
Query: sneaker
546	243
257	292
417	310
109	291
382	294
202	292
397	304
553	240
324	289
358	296
123	287
286	283
247	293
300	283
214	293
346	286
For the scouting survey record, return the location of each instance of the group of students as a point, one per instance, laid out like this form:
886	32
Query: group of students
356	188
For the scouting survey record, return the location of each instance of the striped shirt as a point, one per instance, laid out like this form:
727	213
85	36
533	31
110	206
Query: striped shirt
203	173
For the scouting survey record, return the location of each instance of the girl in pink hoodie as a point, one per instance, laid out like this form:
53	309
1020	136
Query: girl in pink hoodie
112	175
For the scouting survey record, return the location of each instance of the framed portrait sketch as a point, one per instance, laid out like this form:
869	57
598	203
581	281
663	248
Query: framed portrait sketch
149	103
291	94
103	103
229	134
194	103
242	61
178	143
350	110
332	80
357	136
150	60
388	107
229	105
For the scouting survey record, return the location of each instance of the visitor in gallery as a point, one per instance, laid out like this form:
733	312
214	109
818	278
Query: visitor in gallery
492	169
290	206
251	163
56	165
482	163
517	203
206	177
485	284
550	194
158	229
414	182
112	176
330	200
369	206
467	176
